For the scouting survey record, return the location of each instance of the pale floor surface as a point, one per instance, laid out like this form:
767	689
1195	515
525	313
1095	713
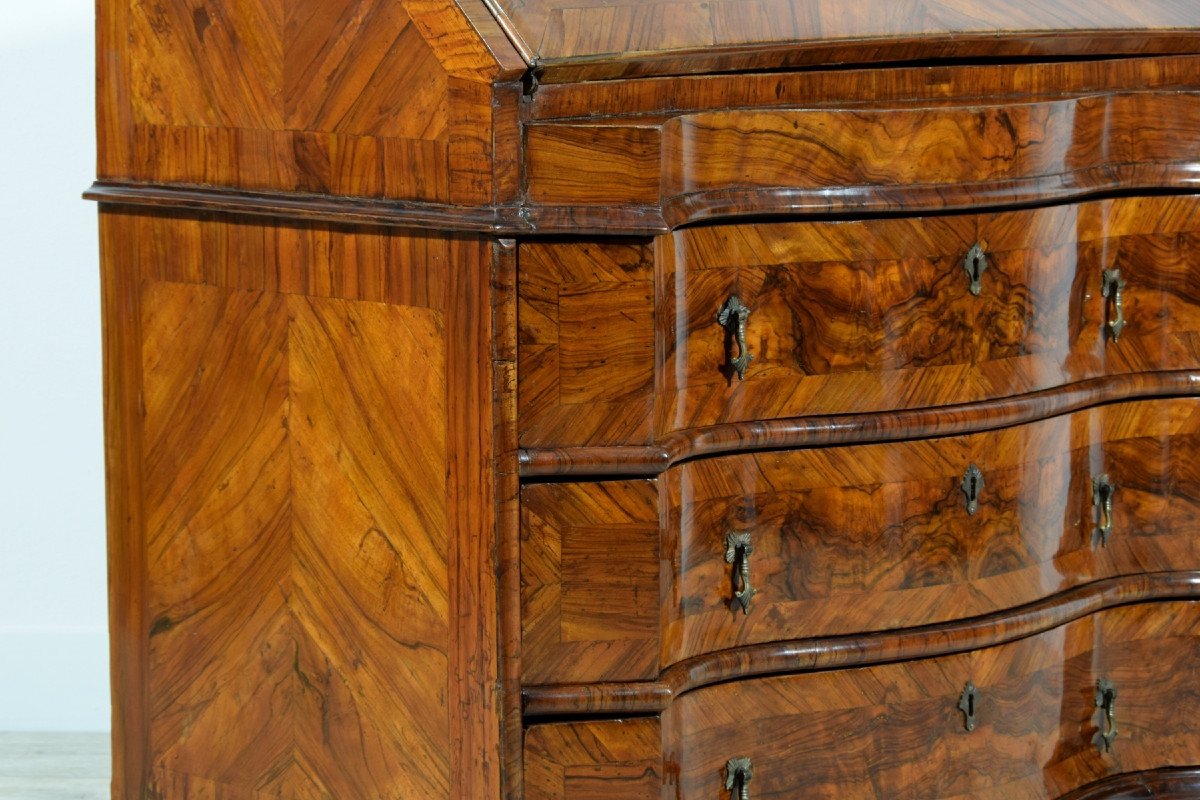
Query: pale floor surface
54	766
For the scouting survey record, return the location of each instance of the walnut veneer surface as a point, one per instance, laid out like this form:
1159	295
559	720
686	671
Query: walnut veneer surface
698	400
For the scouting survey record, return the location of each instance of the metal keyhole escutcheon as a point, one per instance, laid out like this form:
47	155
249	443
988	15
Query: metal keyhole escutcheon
966	704
975	264
972	487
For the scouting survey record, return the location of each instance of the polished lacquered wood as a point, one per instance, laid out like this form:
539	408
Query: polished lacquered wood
711	164
602	39
594	760
372	271
849	540
378	99
301	519
641	697
895	730
851	316
880	537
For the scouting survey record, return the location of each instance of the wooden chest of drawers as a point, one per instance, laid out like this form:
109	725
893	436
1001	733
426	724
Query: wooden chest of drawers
716	400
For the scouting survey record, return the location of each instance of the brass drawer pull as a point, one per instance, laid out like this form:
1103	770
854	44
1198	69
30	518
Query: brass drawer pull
738	772
1106	700
1112	290
975	264
733	318
966	704
737	552
972	487
1103	490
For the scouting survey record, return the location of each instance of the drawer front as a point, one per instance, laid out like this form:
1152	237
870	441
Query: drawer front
864	316
844	540
879	537
898	730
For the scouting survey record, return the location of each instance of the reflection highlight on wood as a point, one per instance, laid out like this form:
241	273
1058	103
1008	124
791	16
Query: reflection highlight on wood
647	697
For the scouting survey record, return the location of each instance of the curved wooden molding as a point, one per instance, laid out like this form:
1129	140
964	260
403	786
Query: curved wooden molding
857	650
856	428
706	165
1159	783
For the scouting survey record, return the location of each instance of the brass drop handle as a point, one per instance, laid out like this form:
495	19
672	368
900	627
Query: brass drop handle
966	704
738	548
972	487
975	264
732	318
738	772
1103	490
1106	701
1112	291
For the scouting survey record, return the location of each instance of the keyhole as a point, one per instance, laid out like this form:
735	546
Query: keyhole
971	705
974	487
975	269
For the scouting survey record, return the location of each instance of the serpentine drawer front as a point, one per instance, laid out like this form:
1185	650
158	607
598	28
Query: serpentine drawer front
1036	718
815	543
845	317
672	400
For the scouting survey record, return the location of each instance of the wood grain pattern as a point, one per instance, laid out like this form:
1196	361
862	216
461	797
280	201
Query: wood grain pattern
589	581
837	652
353	97
594	760
853	540
316	611
586	332
722	163
836	429
877	537
590	39
877	315
895	729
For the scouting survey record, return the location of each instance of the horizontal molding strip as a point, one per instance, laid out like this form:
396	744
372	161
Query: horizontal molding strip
866	428
835	652
493	220
1171	782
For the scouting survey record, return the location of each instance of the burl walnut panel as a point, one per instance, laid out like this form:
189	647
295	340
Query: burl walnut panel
877	315
303	587
879	537
852	539
896	731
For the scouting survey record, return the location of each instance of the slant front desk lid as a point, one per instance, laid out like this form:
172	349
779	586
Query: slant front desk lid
595	39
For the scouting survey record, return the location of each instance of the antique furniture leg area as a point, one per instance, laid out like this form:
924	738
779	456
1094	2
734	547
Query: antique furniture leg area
655	400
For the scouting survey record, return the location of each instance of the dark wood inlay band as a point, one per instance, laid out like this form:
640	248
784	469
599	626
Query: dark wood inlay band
856	428
647	697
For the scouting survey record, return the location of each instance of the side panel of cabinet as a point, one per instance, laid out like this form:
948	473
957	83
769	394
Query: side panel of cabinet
301	510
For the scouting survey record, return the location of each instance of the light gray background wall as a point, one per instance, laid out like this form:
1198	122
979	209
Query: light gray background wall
53	645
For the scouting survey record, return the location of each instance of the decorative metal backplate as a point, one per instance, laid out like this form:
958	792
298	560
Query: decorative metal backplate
738	548
1106	701
732	317
738	772
1103	490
